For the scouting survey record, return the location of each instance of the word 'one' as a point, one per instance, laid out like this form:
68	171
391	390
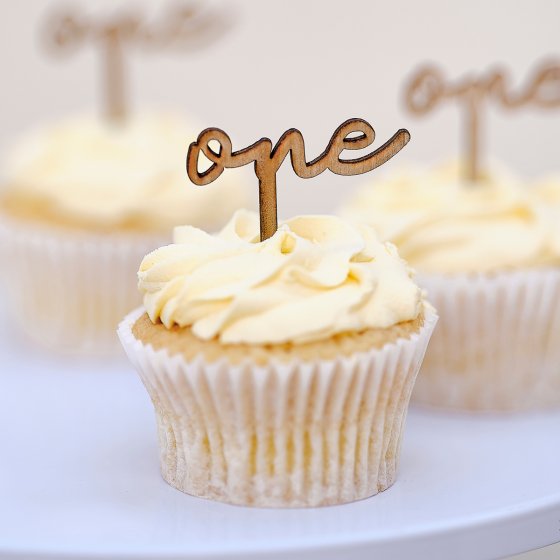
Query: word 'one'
354	134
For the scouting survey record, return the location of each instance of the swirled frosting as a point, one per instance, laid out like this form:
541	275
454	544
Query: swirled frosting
315	277
92	173
441	224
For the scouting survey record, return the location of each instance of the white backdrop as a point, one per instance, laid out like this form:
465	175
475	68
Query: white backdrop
307	64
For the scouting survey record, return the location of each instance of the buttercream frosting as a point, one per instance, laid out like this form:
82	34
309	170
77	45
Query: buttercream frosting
317	276
441	224
95	173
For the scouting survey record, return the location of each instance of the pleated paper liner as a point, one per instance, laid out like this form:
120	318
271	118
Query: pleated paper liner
497	344
68	290
283	435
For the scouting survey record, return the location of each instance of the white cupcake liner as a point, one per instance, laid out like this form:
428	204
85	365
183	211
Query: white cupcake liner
280	435
68	290
497	344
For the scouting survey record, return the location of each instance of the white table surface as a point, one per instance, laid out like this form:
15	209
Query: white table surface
79	478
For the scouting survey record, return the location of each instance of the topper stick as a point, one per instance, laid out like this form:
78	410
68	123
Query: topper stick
113	66
268	206
268	160
428	88
184	25
472	108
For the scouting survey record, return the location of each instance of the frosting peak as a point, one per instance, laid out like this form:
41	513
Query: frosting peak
317	276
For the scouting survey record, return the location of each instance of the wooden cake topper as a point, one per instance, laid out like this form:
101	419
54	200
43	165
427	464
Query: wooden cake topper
267	160
428	88
182	26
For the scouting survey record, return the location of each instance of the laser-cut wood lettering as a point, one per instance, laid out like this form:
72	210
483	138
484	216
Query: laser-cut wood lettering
267	160
428	88
183	26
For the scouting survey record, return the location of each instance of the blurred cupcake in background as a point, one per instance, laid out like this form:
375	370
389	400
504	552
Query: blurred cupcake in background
84	199
488	255
82	202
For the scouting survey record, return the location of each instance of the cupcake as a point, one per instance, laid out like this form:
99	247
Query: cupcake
82	202
280	371
488	256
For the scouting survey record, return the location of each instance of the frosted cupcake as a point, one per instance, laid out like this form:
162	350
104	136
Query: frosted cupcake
488	255
280	371
83	201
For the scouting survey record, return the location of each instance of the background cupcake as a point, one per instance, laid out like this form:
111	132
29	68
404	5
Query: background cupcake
488	256
82	202
280	371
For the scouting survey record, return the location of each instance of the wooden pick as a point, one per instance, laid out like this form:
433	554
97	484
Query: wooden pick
186	26
267	160
428	88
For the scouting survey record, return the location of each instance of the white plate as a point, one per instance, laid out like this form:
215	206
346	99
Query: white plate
79	477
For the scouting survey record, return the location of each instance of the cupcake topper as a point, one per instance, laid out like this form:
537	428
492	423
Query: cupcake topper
267	160
428	87
183	26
